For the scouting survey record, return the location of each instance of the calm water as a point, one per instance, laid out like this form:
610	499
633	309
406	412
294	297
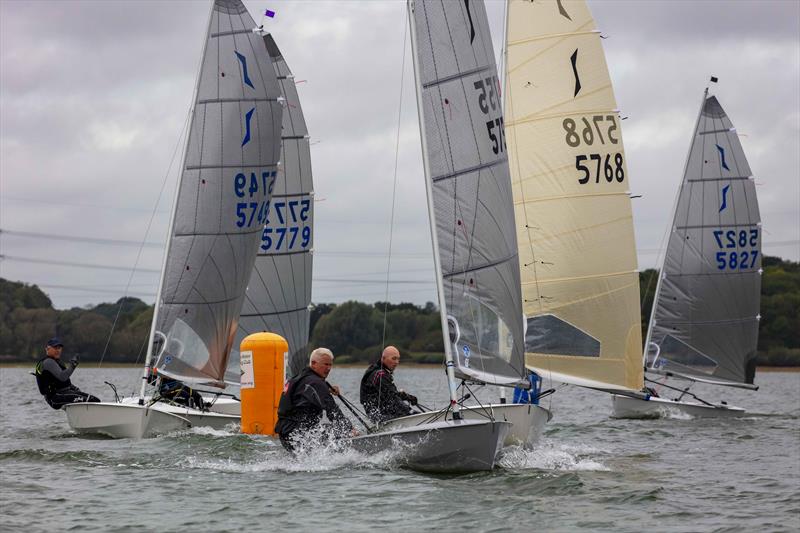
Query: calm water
590	472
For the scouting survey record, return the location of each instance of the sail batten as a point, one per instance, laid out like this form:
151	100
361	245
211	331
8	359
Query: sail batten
570	183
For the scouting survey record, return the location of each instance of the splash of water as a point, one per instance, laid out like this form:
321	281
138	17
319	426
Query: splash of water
562	457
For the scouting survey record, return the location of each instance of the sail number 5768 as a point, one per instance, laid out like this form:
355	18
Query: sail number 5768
610	168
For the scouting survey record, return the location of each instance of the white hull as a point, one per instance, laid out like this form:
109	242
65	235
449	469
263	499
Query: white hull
527	420
627	407
122	421
225	406
129	420
446	446
195	417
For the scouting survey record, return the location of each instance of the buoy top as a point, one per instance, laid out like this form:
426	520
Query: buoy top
263	337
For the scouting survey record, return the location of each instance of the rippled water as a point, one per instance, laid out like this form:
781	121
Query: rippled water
590	472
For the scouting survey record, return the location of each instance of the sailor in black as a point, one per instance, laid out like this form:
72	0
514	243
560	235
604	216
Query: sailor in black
52	377
379	395
305	398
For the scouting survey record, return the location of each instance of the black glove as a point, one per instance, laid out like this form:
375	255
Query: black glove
74	362
410	398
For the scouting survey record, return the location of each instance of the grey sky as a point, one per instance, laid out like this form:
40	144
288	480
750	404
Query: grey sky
94	95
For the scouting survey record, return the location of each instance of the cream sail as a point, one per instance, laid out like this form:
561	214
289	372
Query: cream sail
580	286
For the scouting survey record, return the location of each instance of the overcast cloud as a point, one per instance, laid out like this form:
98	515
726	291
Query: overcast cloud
94	96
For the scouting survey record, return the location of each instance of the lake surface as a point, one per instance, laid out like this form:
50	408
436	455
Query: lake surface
590	472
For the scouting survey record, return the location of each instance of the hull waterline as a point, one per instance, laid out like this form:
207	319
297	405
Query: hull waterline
121	421
527	420
627	407
448	446
197	418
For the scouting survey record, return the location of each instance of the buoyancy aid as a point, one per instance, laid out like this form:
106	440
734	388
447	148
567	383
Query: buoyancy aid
47	382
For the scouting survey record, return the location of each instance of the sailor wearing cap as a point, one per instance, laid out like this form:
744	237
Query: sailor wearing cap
52	377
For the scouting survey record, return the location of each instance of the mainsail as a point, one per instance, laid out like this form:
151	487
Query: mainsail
468	189
577	257
222	200
279	291
706	312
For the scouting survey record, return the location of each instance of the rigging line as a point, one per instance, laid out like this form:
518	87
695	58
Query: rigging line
394	194
394	184
184	132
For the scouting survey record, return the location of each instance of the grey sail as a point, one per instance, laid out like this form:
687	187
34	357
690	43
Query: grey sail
279	292
470	189
706	313
229	167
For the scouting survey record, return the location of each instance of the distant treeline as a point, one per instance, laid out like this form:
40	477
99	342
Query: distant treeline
355	331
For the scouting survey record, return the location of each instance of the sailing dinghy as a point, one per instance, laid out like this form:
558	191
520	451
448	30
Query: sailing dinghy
704	323
221	205
577	256
469	208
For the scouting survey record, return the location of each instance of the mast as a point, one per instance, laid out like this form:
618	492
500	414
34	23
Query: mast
157	303
651	322
448	354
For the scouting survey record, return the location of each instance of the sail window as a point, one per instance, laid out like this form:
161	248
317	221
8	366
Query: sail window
485	330
675	352
548	334
186	345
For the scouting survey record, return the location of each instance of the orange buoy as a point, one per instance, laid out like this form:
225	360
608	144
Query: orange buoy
262	357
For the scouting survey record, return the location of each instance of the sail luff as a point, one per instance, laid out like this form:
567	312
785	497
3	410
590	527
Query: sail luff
669	231
448	352
162	276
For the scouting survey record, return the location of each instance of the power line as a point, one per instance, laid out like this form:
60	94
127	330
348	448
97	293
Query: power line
93	290
74	204
123	242
93	240
373	281
78	265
